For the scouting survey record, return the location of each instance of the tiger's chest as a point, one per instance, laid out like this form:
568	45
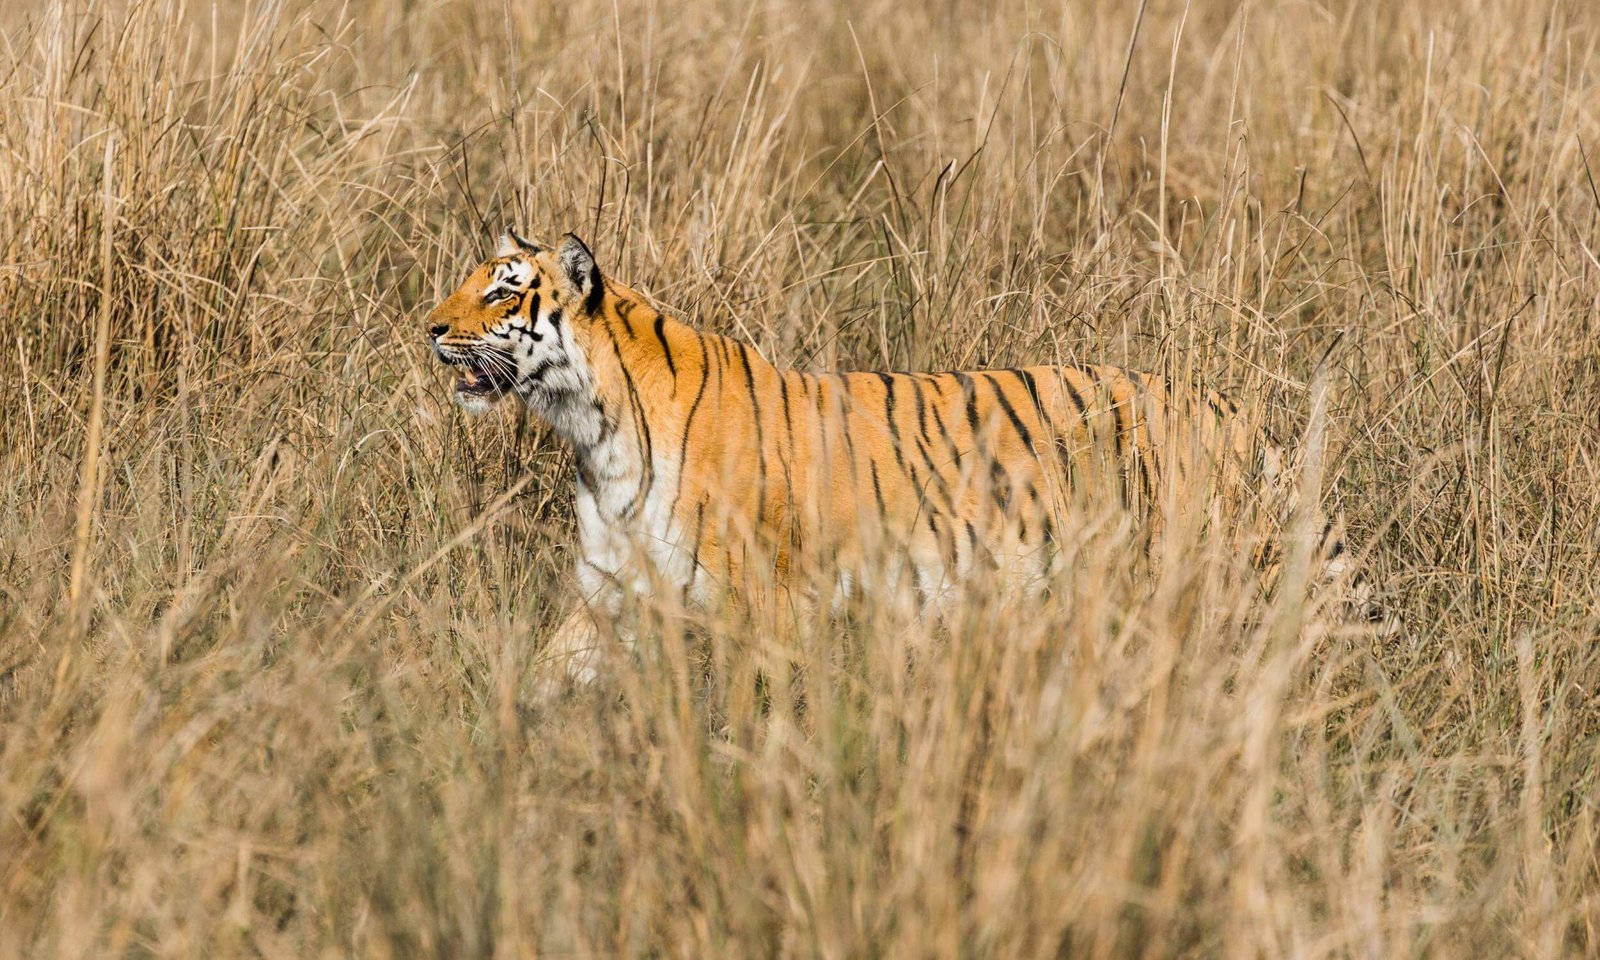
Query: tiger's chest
629	542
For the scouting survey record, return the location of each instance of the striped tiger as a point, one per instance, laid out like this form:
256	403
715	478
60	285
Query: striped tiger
704	470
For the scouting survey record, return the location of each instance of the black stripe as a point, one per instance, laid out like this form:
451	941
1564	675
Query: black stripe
922	411
1075	396
970	392
788	419
666	351
648	479
949	441
647	476
888	399
785	451
1000	486
846	407
545	366
694	555
844	426
596	294
894	434
956	454
1122	466
607	424
1046	424
1078	404
688	423
761	448
1216	408
877	492
922	442
949	549
997	472
533	314
820	418
1144	461
1028	384
788	446
1010	411
936	478
624	310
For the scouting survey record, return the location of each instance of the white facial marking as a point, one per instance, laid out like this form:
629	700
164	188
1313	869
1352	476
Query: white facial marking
511	277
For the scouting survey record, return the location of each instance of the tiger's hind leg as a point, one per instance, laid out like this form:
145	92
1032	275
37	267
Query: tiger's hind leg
1360	604
1356	598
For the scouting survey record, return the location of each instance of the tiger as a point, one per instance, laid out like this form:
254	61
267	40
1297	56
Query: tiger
703	471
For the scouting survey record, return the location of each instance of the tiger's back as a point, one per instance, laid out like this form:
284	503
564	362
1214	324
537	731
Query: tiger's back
946	471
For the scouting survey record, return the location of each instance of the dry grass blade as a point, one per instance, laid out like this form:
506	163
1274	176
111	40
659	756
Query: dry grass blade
269	607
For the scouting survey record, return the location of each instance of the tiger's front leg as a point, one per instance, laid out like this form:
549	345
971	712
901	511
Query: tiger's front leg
572	650
570	658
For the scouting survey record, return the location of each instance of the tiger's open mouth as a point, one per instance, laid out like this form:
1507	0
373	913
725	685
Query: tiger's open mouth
485	379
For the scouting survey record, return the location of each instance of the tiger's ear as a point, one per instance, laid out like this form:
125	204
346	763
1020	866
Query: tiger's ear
579	270
511	245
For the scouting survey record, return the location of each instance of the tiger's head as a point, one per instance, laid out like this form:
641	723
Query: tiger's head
513	326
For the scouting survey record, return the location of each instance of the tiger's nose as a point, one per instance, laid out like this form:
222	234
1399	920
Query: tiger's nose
438	330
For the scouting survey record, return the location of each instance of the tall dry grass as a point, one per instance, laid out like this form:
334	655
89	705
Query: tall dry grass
268	606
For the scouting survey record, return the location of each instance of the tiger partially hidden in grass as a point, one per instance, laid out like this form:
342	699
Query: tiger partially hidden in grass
707	473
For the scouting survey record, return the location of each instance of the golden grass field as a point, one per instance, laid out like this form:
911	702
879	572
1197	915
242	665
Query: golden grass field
269	604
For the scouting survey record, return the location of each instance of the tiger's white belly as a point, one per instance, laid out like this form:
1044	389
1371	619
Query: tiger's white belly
645	555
